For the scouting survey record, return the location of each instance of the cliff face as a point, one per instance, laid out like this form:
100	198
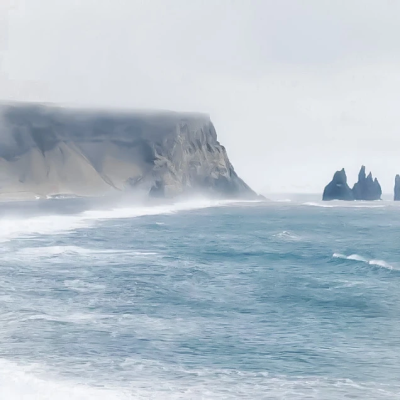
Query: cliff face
338	189
367	188
51	150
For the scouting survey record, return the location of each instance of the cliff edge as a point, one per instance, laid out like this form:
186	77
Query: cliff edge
48	150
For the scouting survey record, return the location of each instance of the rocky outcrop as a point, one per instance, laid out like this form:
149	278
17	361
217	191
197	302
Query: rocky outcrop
397	188
47	150
338	189
367	188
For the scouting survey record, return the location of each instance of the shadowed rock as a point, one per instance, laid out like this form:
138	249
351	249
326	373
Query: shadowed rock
397	188
48	151
367	188
338	189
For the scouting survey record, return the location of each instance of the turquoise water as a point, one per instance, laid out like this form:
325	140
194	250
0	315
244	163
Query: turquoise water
201	300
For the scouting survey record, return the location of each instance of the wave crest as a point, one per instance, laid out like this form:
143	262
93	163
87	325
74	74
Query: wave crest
356	257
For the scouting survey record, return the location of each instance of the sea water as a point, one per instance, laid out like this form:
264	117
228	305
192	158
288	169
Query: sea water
200	300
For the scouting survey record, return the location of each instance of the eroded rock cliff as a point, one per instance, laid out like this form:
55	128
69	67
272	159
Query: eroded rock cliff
397	188
366	187
47	150
338	189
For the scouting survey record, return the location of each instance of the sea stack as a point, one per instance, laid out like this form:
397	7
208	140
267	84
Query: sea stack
51	150
338	189
367	188
397	188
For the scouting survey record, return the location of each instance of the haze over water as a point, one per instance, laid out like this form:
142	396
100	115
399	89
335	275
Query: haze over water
200	300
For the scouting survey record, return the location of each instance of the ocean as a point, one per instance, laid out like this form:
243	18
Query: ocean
204	299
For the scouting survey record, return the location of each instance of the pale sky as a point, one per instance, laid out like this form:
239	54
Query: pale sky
296	89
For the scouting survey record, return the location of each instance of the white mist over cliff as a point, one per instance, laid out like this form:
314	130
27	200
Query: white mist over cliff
53	151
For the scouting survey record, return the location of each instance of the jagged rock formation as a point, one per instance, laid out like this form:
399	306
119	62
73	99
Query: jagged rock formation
52	150
397	188
367	188
338	189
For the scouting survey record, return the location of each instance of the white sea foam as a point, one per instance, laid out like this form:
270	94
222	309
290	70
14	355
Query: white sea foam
356	257
348	284
131	212
286	235
339	255
380	263
76	318
11	228
154	383
312	204
367	206
43	225
19	383
49	251
56	254
344	204
81	286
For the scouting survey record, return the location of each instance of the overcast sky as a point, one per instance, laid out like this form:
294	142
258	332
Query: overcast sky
296	89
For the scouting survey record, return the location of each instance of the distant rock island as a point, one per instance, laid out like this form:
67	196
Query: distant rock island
338	189
367	188
56	151
397	188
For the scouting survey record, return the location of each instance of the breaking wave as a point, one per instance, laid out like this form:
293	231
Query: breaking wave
11	228
343	205
22	383
356	257
19	383
380	263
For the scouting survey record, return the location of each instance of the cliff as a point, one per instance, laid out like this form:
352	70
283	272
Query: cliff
47	150
338	189
367	188
397	188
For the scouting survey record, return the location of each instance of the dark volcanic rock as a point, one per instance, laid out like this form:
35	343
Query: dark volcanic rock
338	189
397	188
367	188
47	151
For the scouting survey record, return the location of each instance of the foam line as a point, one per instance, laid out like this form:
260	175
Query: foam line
11	228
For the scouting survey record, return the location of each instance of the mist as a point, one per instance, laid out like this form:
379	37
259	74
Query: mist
296	90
